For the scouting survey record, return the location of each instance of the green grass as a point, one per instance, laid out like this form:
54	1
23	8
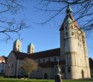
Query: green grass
77	80
38	80
24	80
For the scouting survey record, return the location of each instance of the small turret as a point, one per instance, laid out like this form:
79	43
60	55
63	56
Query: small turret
17	45
31	48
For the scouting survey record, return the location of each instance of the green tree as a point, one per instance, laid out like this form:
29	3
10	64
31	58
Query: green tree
29	65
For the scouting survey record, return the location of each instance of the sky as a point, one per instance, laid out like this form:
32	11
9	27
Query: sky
43	36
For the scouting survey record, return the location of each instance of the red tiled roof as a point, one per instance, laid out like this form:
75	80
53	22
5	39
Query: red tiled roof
75	23
3	58
43	54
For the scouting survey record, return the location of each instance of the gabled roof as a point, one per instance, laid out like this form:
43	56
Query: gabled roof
48	53
43	54
3	58
20	55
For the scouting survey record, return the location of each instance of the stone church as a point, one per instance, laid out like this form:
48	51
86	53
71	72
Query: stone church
72	54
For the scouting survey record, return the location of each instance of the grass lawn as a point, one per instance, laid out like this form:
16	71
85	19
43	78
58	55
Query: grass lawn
38	80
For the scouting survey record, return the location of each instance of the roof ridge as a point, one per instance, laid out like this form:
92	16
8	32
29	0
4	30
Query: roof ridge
46	50
20	52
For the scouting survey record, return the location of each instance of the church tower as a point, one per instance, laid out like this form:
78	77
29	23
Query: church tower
17	45
73	47
31	48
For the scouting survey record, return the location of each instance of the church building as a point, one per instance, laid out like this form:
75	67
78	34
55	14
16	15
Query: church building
72	54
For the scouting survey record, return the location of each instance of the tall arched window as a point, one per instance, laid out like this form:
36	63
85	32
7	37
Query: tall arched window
69	69
71	27
72	33
66	27
66	33
55	59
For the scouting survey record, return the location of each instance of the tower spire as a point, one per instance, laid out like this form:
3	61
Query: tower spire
69	9
69	19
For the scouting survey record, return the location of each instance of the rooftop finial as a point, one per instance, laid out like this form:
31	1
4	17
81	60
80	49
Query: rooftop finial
69	9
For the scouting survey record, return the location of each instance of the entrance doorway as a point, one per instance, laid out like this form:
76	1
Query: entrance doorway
82	73
45	76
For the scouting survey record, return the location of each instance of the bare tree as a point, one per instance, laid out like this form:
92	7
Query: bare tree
83	10
29	65
8	23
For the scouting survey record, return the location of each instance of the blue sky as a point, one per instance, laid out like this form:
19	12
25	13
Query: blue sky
43	36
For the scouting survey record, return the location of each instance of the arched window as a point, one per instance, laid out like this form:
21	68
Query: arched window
75	36
69	69
55	59
48	59
66	33
63	69
78	37
32	50
2	70
43	60
71	27
66	27
72	33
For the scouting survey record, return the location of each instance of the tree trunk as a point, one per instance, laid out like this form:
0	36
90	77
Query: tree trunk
28	75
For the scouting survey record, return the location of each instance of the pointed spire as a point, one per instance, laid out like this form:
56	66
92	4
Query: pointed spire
69	19
69	9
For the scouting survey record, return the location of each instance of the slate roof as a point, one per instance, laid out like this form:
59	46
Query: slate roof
37	55
48	53
20	55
